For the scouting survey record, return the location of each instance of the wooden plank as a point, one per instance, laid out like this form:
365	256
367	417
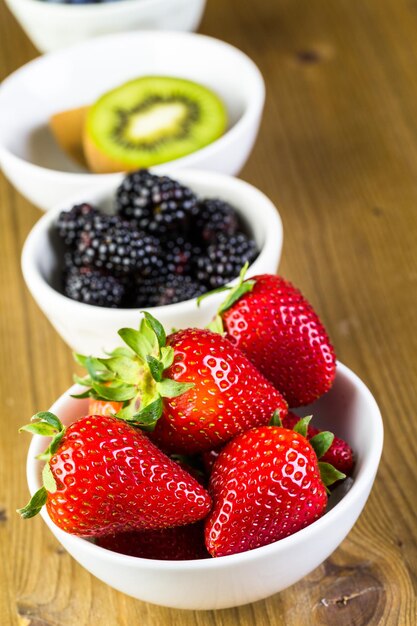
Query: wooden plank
337	153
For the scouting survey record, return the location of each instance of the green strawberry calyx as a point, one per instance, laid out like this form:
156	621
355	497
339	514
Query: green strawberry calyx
320	444
49	425
235	293
134	375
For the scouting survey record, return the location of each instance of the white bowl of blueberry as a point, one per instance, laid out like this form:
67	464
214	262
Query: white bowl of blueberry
147	242
53	24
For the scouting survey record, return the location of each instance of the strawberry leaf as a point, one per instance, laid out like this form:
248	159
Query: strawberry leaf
97	370
167	356
146	330
85	381
137	341
49	425
212	292
322	442
53	446
236	294
80	359
121	351
48	479
35	504
39	429
49	418
86	394
275	419
216	325
116	394
169	388
149	415
157	328
129	409
156	367
329	474
301	426
125	368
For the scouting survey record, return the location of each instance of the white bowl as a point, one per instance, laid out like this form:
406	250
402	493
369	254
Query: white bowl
51	25
91	329
350	411
76	76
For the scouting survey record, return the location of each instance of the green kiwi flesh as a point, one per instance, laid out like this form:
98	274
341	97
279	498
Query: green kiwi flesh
154	119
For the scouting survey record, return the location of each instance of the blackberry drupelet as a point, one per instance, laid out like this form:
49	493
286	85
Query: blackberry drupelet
110	244
157	205
93	287
212	218
71	223
224	260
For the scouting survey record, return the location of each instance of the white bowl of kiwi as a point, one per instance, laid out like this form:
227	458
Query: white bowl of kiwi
53	24
124	101
204	214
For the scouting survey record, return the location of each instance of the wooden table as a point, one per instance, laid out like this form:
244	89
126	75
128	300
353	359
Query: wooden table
337	153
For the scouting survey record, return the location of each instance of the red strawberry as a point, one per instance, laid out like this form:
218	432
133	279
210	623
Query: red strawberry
194	390
265	485
278	330
169	544
339	454
103	407
103	476
229	395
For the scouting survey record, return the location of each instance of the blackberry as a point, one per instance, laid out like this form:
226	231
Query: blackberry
223	260
165	289
71	223
93	287
157	205
108	243
212	218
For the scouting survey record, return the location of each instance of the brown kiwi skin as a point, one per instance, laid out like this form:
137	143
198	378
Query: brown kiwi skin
67	128
100	163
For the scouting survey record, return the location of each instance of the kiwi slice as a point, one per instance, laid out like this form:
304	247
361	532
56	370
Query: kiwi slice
151	120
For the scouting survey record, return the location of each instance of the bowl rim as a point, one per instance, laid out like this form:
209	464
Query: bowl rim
91	7
251	112
360	484
36	283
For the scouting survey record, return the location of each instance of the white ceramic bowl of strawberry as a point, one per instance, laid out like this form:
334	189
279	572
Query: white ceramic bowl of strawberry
78	75
350	411
91	329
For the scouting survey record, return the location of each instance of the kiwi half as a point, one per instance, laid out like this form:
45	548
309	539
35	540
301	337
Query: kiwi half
151	120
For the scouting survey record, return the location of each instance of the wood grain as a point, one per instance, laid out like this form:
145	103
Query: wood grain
337	153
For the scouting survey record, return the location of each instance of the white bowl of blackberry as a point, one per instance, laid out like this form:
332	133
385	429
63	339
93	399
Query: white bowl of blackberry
147	242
